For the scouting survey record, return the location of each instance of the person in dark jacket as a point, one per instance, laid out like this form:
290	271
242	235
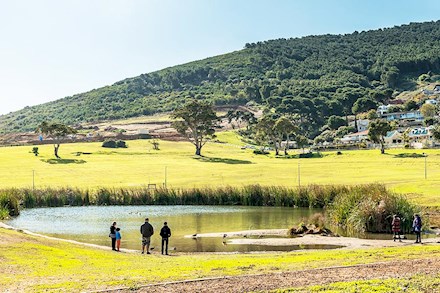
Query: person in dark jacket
147	231
165	232
417	227
396	228
112	235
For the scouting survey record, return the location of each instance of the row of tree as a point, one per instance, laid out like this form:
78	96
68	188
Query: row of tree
197	122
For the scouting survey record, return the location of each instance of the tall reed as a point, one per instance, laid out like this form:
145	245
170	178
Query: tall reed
363	207
370	208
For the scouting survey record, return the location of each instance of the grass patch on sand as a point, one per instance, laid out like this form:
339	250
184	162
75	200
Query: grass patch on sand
223	164
413	284
35	264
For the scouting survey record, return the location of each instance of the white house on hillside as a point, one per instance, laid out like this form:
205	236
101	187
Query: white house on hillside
382	109
432	102
355	137
362	124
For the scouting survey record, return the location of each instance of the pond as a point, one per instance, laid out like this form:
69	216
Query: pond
91	224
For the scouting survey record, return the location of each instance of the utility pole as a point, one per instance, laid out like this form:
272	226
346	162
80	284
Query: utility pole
165	184
299	175
426	170
33	181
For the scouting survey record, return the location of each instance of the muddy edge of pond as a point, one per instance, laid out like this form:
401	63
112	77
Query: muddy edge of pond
345	242
248	238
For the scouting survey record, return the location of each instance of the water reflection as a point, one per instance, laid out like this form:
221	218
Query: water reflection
91	224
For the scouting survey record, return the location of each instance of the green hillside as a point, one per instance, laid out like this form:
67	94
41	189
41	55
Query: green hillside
315	76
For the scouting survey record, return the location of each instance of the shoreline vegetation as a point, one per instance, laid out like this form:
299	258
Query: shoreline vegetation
359	208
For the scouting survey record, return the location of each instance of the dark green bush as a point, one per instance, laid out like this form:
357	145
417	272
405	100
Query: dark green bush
306	155
114	144
121	144
261	152
109	144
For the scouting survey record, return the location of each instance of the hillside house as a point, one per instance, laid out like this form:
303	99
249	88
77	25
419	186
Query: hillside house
362	124
382	109
420	134
407	116
432	102
428	92
355	137
434	91
393	137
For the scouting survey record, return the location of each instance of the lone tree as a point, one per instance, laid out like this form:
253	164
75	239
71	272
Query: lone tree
286	128
377	131
267	132
428	110
57	132
436	132
197	120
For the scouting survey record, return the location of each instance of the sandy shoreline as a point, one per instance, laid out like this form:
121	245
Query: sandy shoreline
241	237
250	237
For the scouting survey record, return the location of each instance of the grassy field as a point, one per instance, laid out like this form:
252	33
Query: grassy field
223	164
55	265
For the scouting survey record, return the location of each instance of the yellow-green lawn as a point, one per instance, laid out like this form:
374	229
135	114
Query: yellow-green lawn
414	284
30	263
222	164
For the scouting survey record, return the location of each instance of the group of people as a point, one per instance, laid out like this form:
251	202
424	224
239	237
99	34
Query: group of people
416	227
146	231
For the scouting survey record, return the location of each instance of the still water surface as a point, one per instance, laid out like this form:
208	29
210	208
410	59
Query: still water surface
91	224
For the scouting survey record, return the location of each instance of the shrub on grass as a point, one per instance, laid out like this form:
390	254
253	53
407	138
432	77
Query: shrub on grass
121	144
114	144
261	152
109	144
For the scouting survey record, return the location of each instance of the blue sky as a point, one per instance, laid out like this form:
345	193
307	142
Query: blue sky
50	49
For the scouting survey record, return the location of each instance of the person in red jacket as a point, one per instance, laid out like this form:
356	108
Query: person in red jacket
396	228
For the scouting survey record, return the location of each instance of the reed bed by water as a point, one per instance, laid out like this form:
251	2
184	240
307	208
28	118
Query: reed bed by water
313	196
359	208
371	211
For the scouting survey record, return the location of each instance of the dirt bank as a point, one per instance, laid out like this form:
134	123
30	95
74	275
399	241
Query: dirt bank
264	282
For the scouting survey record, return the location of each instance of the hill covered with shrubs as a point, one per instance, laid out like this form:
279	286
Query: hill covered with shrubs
314	76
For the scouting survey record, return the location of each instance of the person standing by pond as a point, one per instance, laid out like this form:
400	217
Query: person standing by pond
417	227
165	232
118	239
147	231
396	228
112	235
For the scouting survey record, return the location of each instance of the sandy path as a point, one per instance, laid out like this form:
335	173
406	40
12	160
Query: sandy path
241	237
395	269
